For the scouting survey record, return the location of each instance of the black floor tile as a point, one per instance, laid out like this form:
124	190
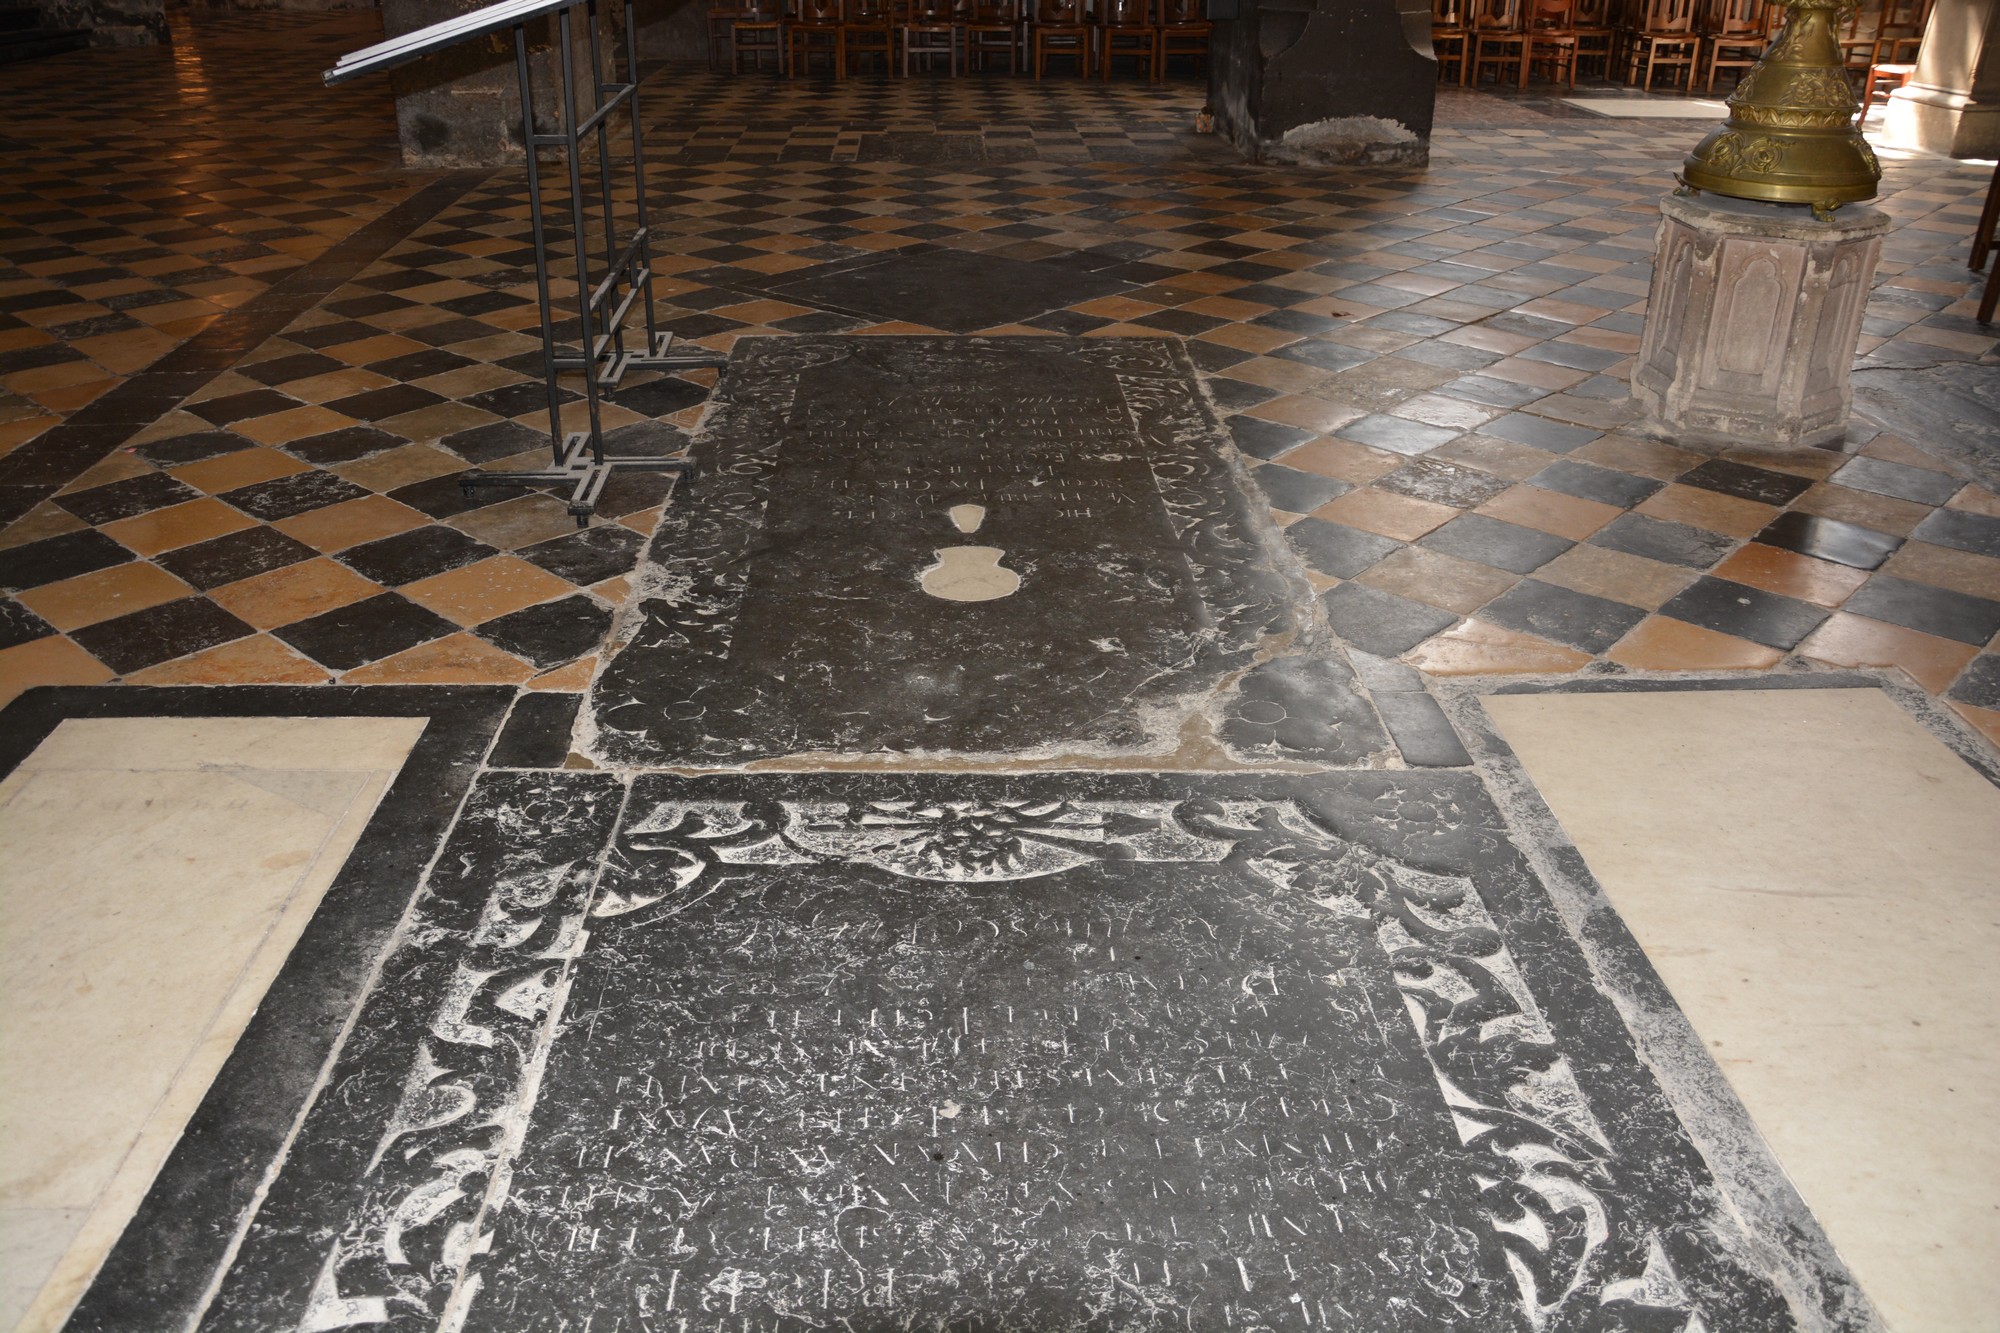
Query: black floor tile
194	448
378	404
1961	530
1325	355
128	498
1502	545
513	400
365	632
1898	480
1748	613
1829	539
661	396
1555	437
1578	619
239	555
346	445
1233	395
537	732
1493	392
417	554
1423	734
160	634
1979	683
1381	622
54	559
243	406
1397	434
1918	606
1588	482
1294	491
300	493
446	496
1265	439
1657	539
599	552
419	365
1746	482
495	440
1336	549
19	625
552	633
285	369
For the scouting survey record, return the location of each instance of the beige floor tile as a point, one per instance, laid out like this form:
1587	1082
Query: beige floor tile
1812	874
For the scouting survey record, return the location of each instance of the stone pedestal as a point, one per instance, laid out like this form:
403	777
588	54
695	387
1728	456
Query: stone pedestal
1324	81
1952	102
1753	320
461	106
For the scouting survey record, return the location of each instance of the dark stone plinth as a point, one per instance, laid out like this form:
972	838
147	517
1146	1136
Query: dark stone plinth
950	1052
1326	81
791	602
109	22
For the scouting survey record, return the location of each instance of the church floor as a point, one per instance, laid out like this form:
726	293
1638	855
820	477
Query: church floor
1182	765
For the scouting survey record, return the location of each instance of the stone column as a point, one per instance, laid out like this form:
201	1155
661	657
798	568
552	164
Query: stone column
1324	81
1952	103
1752	322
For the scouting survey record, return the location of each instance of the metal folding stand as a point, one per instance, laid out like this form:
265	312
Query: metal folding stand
605	298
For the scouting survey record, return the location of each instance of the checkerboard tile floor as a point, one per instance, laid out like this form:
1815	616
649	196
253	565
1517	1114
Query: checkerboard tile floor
1426	370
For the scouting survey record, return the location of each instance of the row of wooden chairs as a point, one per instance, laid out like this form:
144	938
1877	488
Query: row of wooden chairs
1640	40
959	33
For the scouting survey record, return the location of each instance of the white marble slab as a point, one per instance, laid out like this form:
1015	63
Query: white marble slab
1816	878
154	875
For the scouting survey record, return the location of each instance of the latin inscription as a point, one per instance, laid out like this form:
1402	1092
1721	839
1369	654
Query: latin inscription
837	1100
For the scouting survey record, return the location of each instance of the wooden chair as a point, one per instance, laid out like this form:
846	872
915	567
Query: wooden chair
1737	36
1449	35
1857	48
816	25
1184	31
991	28
1058	29
1552	41
930	30
869	28
721	18
758	30
1982	243
1590	21
1499	40
1126	28
1881	81
1664	38
1900	34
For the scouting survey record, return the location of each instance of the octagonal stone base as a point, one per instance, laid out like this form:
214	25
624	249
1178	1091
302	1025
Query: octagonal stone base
1753	320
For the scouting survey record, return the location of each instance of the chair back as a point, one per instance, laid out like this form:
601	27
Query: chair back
821	12
1667	16
1447	13
869	12
1496	15
1551	15
762	11
1737	18
990	13
1059	13
1181	13
932	11
1590	13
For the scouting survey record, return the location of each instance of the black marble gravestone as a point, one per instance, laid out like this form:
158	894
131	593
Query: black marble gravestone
948	1052
1015	546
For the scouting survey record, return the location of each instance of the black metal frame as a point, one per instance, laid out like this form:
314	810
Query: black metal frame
603	300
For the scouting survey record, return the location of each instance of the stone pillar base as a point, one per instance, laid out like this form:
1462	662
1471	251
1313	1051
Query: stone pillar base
1753	320
1939	120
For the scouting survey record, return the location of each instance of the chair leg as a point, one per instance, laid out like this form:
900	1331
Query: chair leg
1990	296
1982	237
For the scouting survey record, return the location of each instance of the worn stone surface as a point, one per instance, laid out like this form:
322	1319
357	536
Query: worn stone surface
785	610
1951	410
1753	320
940	1051
956	290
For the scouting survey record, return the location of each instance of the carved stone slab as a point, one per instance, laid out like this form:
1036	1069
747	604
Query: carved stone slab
947	546
983	1053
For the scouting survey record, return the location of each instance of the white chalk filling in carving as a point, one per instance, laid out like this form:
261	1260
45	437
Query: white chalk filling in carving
969	573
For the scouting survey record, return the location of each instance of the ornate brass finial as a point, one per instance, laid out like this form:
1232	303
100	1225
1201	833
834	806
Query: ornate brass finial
1791	137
